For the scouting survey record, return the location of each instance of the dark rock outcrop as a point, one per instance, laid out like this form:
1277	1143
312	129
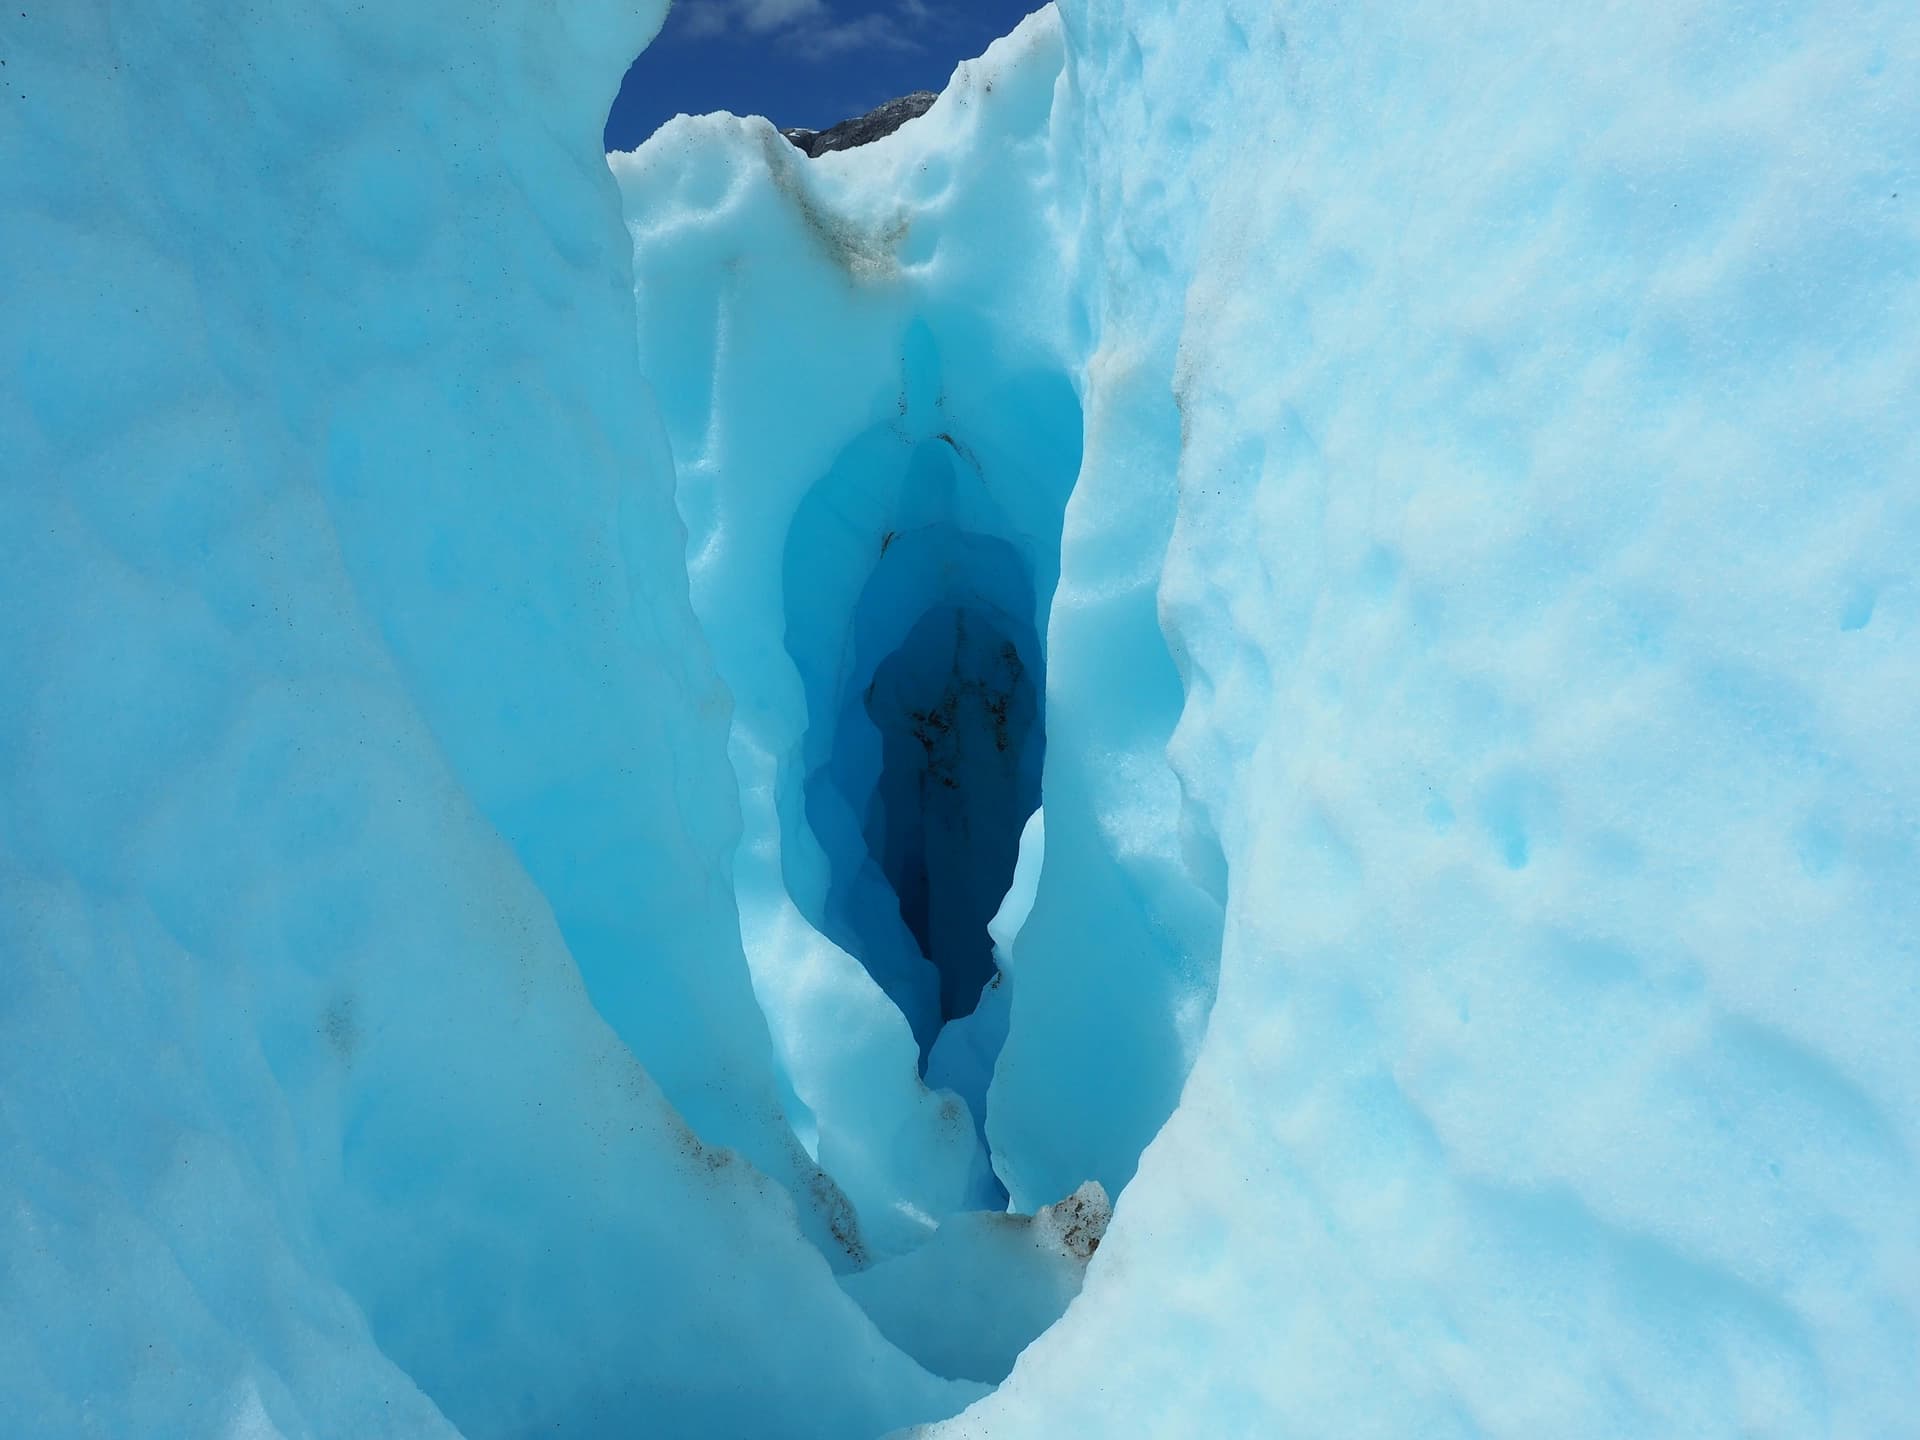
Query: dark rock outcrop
864	129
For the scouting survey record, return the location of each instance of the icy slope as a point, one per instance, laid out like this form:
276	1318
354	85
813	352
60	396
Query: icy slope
1543	583
353	715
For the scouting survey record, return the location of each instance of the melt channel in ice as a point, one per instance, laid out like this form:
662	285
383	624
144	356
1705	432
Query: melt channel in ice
1396	521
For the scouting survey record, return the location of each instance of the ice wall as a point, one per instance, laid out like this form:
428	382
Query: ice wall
354	715
1542	586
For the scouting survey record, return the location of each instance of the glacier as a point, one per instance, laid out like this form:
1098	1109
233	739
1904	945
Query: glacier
1218	743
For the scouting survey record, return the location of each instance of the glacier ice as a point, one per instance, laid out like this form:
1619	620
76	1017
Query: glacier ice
346	734
944	438
969	1300
1425	495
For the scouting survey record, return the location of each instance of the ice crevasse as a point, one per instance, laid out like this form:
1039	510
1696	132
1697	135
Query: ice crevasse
1220	743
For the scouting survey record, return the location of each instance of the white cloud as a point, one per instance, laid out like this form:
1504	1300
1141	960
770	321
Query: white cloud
761	16
809	24
701	18
869	32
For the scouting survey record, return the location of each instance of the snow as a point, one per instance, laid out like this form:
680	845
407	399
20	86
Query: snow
1424	494
1547	395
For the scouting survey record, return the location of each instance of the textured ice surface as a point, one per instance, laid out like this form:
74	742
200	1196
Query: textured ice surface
930	267
354	714
1449	472
1543	588
1498	487
968	1301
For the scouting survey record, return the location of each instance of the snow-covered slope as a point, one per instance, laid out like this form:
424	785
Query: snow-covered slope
1426	495
1543	585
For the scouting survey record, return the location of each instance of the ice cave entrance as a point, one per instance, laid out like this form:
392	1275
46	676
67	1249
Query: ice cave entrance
955	711
927	728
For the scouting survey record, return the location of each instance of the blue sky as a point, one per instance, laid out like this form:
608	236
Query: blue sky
801	62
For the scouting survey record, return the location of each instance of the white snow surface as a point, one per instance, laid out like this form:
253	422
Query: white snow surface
1453	474
1543	587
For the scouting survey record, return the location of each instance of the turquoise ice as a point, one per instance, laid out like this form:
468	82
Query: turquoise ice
1396	520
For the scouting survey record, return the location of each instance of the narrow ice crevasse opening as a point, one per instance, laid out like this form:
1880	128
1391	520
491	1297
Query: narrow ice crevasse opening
918	575
923	664
955	710
932	768
918	570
